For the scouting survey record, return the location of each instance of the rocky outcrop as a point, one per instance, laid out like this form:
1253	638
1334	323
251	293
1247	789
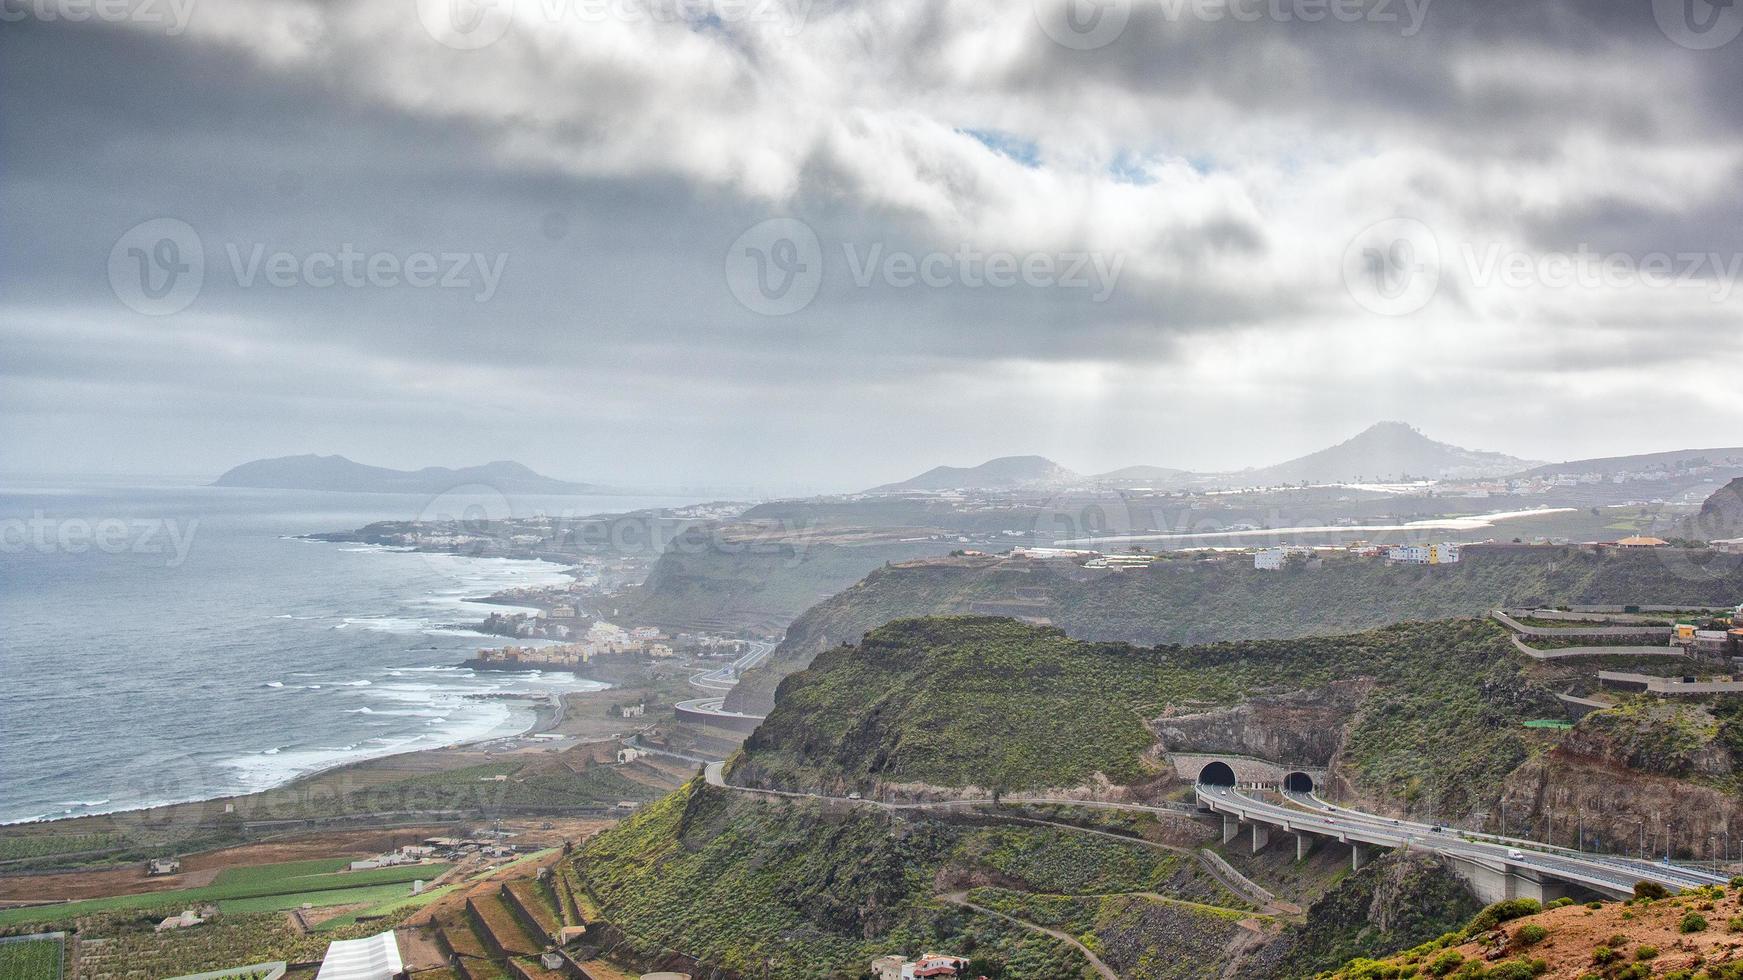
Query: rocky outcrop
1644	777
1299	728
1394	903
1720	516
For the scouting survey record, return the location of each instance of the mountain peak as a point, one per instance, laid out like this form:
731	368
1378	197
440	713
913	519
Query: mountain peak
1000	473
1386	451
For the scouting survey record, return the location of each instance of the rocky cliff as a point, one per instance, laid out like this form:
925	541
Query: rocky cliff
1301	727
1647	776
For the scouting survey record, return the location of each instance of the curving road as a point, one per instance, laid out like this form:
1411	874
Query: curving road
1309	814
722	679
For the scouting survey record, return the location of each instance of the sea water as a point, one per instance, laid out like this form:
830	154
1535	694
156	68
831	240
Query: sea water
165	642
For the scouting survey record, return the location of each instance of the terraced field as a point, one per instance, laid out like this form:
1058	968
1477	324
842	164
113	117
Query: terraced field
534	900
32	959
496	922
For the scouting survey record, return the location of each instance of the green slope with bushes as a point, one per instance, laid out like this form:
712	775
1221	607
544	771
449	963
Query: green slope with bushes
1000	705
803	889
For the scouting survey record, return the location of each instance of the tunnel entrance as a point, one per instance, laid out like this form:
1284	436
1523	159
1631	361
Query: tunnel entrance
1298	782
1216	774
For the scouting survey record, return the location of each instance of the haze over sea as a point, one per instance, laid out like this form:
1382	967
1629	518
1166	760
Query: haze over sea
133	678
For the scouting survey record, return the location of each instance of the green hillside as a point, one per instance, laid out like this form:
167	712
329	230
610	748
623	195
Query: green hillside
1185	599
1001	705
749	884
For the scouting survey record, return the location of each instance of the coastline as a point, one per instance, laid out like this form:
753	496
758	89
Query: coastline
547	714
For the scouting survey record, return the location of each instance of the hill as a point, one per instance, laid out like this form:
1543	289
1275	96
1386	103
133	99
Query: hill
1006	472
768	888
1691	935
1720	516
1161	477
1187	599
1675	461
1383	452
996	704
1417	718
311	472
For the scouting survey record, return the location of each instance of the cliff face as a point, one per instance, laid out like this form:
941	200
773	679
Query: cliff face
1721	515
1303	727
1637	778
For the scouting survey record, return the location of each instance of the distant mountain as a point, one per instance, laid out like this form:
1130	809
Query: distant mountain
1386	451
1146	476
310	472
1004	473
1670	462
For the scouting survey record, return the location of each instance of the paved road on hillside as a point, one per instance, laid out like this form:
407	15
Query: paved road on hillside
726	678
1319	817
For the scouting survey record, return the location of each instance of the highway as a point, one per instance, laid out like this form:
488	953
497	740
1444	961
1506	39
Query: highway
1686	877
722	679
1312	815
1603	872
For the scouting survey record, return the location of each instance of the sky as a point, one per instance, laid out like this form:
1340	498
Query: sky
816	245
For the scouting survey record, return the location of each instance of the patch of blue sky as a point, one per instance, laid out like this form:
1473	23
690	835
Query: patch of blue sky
1023	151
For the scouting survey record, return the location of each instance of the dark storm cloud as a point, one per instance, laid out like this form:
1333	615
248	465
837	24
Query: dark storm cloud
1211	174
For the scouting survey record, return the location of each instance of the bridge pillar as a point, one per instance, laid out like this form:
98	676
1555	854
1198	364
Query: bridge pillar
1231	827
1355	856
1261	837
1301	847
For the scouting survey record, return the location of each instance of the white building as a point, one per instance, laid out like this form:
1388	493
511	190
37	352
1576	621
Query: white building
1445	553
1273	559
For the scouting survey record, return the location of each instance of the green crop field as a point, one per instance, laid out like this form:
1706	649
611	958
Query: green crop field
43	845
273	873
322	898
35	959
262	888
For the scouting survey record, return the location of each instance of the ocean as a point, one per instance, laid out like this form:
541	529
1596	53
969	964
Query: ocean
166	642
